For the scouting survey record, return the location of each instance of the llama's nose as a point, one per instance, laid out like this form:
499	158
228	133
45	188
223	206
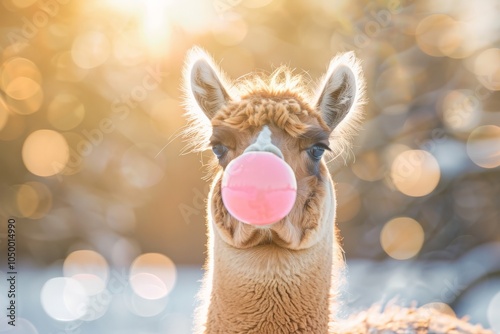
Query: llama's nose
259	187
263	143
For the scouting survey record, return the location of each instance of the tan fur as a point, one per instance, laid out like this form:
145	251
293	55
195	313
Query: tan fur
281	278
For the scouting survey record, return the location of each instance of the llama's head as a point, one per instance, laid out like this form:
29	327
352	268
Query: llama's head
228	117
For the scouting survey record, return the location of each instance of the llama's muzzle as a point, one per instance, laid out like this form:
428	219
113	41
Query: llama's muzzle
259	187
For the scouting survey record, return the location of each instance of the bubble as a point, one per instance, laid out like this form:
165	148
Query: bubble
493	312
483	146
415	173
64	299
89	268
34	199
90	49
45	152
65	112
402	238
152	275
461	110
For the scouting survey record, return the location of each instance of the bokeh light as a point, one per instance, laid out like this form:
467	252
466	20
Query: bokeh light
152	275
20	79
90	199
487	68
90	49
65	111
89	268
441	35
23	326
368	166
139	168
121	218
66	69
483	146
33	199
415	173
45	152
402	238
441	307
146	307
461	110
4	113
231	30
493	312
64	299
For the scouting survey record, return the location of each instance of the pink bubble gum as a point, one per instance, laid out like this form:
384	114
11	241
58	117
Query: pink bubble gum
258	188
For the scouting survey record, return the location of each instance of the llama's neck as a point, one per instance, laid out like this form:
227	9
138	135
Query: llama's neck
269	289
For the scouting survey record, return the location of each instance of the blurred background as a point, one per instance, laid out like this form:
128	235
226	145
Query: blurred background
110	214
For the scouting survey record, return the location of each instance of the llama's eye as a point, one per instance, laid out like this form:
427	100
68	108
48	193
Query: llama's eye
316	152
219	150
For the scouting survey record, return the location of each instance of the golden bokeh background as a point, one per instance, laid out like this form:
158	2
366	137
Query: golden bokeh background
91	159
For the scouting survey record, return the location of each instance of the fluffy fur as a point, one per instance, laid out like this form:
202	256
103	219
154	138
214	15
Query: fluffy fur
282	278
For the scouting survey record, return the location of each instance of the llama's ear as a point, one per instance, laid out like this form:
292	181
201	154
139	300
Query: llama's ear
208	88
340	90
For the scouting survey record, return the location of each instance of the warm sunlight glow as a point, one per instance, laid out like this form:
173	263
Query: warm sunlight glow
415	173
64	299
487	68
45	152
440	307
349	203
483	146
90	49
34	199
152	275
65	111
402	238
156	26
461	110
89	268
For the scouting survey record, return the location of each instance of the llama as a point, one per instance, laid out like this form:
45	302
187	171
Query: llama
283	277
